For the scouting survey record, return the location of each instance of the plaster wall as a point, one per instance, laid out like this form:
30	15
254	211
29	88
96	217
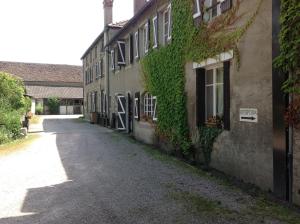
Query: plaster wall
246	150
296	167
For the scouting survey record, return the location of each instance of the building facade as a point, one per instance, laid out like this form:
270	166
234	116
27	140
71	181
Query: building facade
238	86
44	81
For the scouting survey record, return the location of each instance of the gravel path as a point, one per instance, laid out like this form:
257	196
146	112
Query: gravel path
80	173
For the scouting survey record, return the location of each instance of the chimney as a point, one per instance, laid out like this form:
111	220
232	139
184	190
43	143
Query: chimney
108	11
138	4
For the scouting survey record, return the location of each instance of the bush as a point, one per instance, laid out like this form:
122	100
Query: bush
13	104
53	104
39	109
4	135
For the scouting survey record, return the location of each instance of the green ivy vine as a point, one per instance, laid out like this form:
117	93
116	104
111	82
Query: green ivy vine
164	68
288	60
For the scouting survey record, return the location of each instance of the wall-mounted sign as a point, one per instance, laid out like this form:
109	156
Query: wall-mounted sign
248	115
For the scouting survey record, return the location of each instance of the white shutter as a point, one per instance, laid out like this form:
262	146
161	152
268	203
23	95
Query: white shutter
121	53
136	40
154	101
136	110
197	11
154	20
112	58
170	22
146	35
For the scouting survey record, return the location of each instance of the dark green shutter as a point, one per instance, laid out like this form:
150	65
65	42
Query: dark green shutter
131	43
226	95
200	96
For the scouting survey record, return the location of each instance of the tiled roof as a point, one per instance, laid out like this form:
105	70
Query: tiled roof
43	72
40	92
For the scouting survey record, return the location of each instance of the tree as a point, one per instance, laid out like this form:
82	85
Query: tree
53	104
13	104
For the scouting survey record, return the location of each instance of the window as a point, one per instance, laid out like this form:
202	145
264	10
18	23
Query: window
150	106
216	8
214	93
97	70
136	40
121	53
167	25
91	74
112	59
197	11
146	37
96	52
155	26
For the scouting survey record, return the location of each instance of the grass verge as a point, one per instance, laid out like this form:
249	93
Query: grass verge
17	144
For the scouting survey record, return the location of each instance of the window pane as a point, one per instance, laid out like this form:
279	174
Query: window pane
209	102
220	99
209	77
220	75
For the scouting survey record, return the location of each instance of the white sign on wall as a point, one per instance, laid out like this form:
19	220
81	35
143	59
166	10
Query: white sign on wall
248	115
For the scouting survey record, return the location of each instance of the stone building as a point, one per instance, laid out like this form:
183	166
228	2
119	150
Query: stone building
95	69
43	81
246	96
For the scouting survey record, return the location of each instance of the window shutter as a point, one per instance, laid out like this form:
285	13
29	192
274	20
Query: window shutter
101	68
121	53
112	58
155	31
227	95
136	45
137	106
200	96
226	5
149	33
131	49
154	101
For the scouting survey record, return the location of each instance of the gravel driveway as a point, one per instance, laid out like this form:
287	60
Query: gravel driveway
80	173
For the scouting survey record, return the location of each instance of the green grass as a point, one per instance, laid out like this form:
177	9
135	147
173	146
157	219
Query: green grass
202	206
266	208
261	210
17	144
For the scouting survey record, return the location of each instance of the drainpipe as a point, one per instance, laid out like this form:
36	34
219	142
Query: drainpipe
83	78
290	155
107	72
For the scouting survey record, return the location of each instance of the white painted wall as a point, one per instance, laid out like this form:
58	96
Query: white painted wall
32	106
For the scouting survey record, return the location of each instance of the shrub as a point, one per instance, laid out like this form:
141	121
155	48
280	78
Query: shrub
4	135
53	104
39	109
13	104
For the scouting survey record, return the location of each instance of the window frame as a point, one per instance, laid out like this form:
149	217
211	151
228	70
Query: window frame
197	5
214	85
145	37
155	31
136	41
121	52
112	59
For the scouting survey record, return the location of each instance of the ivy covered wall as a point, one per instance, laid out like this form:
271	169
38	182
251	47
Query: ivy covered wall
164	71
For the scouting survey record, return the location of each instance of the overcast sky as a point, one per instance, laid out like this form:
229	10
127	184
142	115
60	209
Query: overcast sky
52	31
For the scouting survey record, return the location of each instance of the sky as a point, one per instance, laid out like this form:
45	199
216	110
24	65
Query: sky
53	31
